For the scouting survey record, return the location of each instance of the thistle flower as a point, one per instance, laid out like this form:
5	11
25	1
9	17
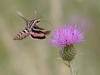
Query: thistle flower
65	37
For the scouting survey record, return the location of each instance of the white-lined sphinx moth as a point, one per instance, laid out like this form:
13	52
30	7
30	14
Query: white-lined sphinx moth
32	29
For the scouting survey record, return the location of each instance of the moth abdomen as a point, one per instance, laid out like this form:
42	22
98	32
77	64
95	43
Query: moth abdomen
21	35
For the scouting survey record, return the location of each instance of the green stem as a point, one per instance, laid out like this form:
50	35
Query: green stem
67	64
71	69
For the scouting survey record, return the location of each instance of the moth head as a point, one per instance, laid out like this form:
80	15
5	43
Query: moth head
37	21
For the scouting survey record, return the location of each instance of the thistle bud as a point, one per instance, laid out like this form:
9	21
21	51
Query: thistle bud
68	53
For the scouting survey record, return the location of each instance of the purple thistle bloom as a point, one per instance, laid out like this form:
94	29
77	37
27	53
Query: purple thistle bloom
66	35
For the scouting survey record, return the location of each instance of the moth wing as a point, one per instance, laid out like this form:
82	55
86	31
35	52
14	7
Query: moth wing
36	35
44	31
21	15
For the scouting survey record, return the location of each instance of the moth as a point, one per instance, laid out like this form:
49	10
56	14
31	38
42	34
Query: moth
32	29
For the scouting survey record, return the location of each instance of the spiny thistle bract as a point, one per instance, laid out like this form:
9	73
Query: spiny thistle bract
65	37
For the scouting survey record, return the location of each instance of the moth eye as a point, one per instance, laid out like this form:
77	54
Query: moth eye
38	21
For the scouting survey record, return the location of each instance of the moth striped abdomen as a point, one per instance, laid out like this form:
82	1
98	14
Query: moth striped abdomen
21	35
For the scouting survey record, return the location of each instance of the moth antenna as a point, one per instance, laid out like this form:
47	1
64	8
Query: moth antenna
35	14
40	17
49	23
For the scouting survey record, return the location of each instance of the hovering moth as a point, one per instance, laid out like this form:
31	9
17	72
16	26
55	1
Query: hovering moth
32	29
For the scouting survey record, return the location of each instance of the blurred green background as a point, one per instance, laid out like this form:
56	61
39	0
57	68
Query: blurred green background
38	57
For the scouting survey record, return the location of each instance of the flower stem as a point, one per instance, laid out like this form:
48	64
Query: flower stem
71	69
